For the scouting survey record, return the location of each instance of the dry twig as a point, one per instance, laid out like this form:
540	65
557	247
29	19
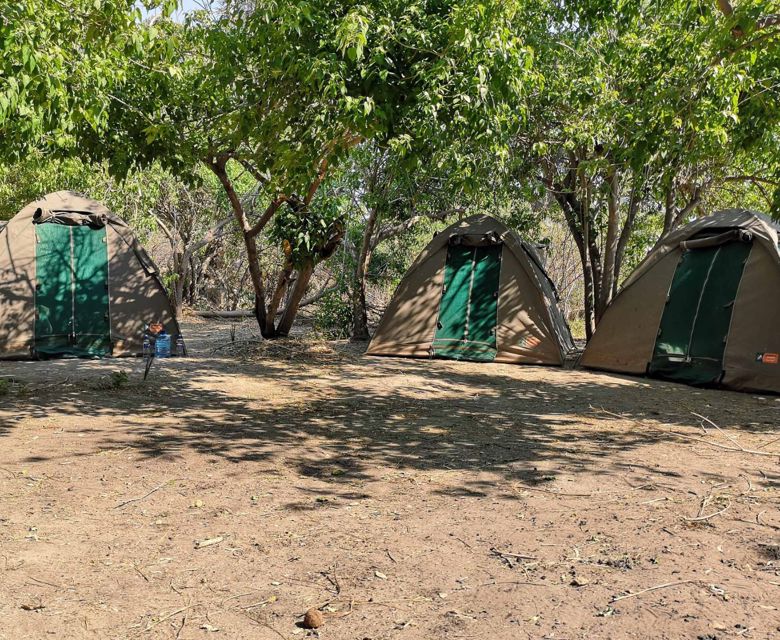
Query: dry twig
152	625
143	497
507	554
701	518
655	588
685	436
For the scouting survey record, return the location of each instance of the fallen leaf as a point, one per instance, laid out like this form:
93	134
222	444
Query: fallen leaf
380	575
208	627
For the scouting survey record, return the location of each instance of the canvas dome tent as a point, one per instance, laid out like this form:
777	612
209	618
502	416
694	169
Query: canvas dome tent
75	281
702	308
476	292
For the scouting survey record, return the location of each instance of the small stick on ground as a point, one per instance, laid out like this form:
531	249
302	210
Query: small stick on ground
183	622
259	604
708	421
773	454
235	597
707	517
685	436
555	493
143	497
655	588
523	582
50	584
463	542
202	544
140	573
656	500
507	554
766	444
334	580
151	626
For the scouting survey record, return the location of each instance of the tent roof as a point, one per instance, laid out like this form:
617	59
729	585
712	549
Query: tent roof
72	202
68	201
764	230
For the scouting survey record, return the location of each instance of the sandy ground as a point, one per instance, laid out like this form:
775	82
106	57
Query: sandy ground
240	487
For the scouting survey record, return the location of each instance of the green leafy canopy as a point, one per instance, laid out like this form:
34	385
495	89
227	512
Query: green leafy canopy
287	86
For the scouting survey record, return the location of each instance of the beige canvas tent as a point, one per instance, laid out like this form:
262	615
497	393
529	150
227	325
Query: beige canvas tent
702	308
476	292
75	281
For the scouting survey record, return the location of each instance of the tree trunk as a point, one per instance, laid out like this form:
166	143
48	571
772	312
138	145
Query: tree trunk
296	295
577	215
305	273
177	290
573	213
359	311
628	228
278	296
669	209
607	284
591	262
590	297
250	241
192	283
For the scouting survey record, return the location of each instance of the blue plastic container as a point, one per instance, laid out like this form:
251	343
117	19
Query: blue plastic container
162	346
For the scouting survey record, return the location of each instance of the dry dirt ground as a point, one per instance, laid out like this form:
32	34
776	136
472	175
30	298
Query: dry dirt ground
240	487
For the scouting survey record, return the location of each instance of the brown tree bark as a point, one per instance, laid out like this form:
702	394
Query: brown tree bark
305	273
276	299
265	317
296	295
359	311
600	266
607	285
573	213
634	203
674	217
250	241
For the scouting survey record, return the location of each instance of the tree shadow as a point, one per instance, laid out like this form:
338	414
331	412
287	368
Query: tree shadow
344	420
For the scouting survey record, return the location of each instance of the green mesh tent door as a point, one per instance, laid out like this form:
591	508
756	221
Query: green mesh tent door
71	299
466	328
695	325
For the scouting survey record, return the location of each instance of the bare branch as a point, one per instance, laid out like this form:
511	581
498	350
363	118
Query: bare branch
164	228
404	226
749	178
267	215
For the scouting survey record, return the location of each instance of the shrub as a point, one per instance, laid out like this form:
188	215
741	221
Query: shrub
333	317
